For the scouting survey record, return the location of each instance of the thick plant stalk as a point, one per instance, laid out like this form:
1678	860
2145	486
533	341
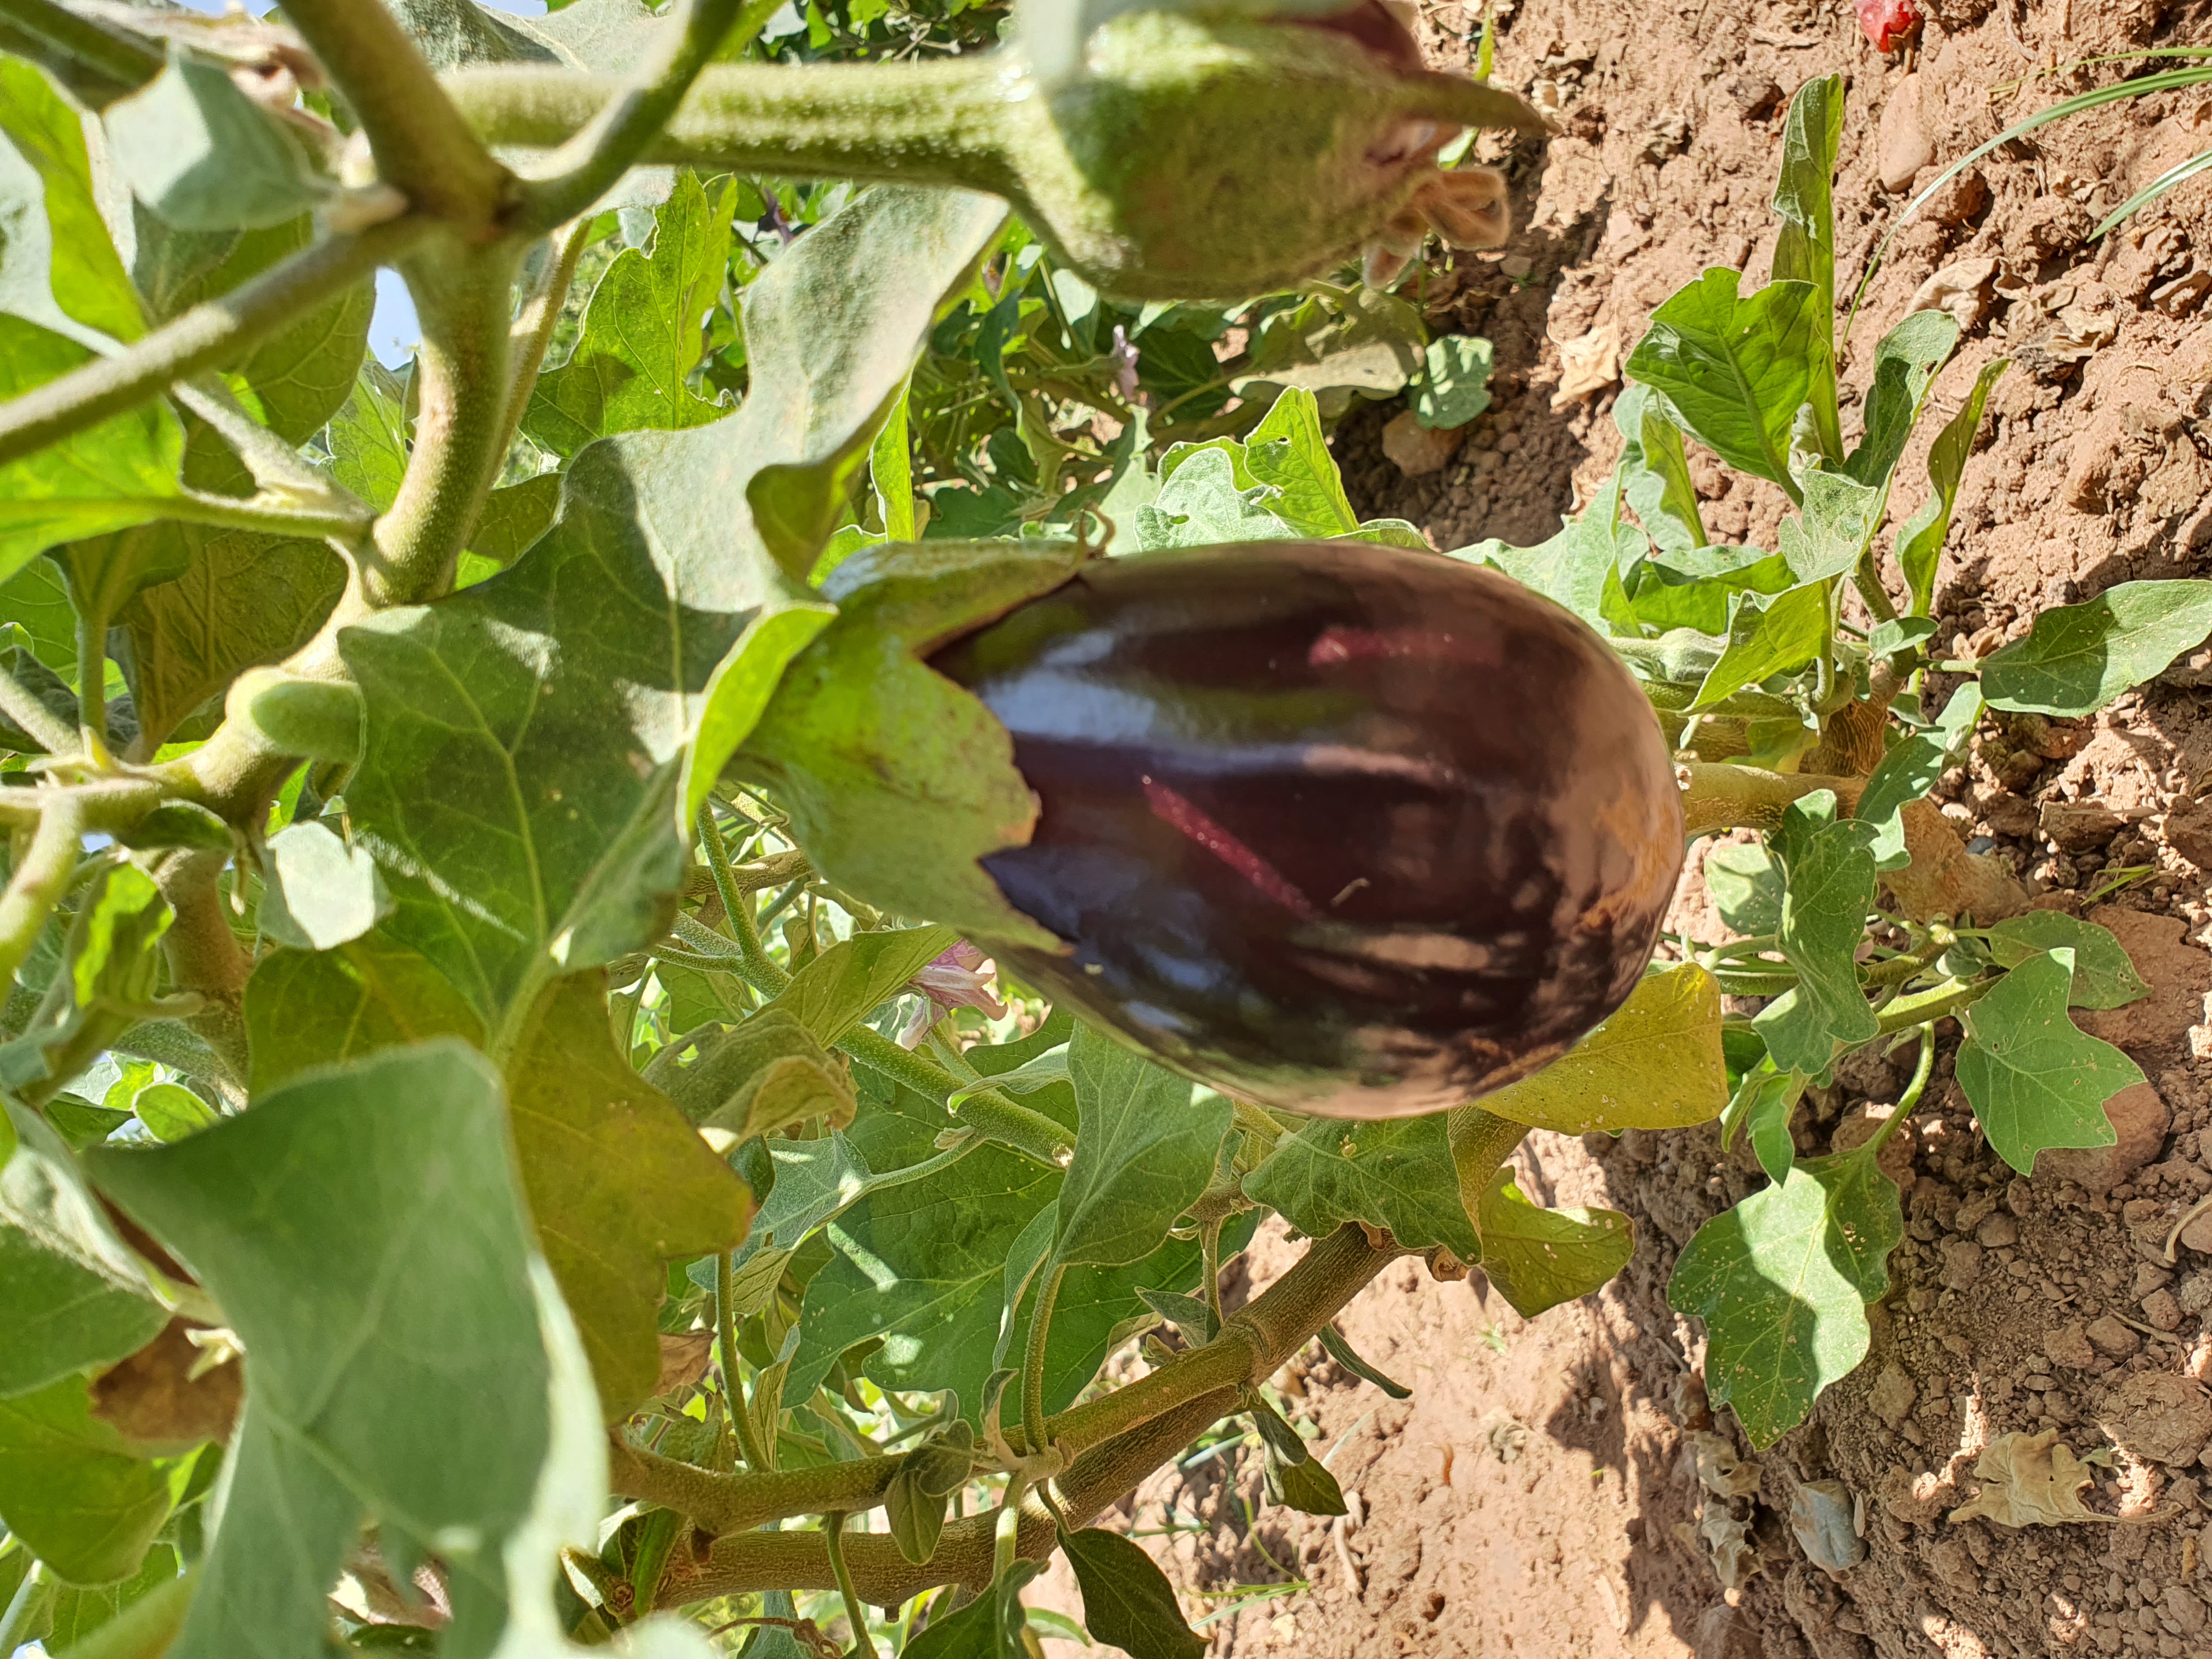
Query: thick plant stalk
1253	1344
929	124
595	159
207	337
422	147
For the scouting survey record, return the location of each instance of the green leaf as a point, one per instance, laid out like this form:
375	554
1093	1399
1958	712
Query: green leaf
1397	1174
1761	1106
1144	1152
981	1630
111	973
1805	247
896	779
244	600
1804	191
77	1612
1830	870
513	518
922	1264
755	1078
1576	567
1920	543
643	331
170	1111
70	1489
1127	1600
914	1503
1746	884
1840	517
72	1295
1307	1487
851	980
307	1009
1783	1281
1455	385
1905	363
2033	1079
36	600
1656	471
1359	338
105	477
619	1184
303	1218
519	778
1539	1258
320	893
369	435
58	268
2104	977
1737	369
832	330
1766	637
1289	453
202	155
1200	504
1909	770
2077	658
1654	1064
890	469
1340	1351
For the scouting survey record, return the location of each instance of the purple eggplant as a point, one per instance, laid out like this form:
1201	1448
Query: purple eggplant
1332	826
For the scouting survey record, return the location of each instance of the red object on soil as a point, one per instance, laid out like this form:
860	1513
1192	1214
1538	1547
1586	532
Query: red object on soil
1886	22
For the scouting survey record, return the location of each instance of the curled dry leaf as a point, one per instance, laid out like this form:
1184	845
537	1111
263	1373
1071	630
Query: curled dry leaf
1720	1471
2029	1480
683	1360
1961	288
1588	364
166	1397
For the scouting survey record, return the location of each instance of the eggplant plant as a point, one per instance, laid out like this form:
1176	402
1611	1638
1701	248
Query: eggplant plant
508	1142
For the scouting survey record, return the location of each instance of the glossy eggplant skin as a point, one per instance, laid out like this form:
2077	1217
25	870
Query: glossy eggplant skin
1339	828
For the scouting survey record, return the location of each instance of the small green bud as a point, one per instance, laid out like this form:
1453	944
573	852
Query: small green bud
316	720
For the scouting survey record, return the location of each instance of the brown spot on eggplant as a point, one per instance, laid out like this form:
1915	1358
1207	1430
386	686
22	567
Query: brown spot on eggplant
1338	826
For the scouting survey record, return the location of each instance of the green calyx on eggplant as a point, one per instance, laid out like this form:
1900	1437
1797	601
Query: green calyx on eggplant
1339	828
1165	153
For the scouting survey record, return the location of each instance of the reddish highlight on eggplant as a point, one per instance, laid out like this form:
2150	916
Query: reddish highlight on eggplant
1341	828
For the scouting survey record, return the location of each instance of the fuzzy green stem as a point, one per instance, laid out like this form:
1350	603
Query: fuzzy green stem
856	1614
1925	1007
1253	1344
586	167
1209	1256
461	300
278	469
39	723
931	124
990	1114
209	336
734	1388
25	1607
422	147
1033	1428
532	334
124	59
1718	796
39	882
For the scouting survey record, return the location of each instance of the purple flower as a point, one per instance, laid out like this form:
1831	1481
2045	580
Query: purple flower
955	978
1125	355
